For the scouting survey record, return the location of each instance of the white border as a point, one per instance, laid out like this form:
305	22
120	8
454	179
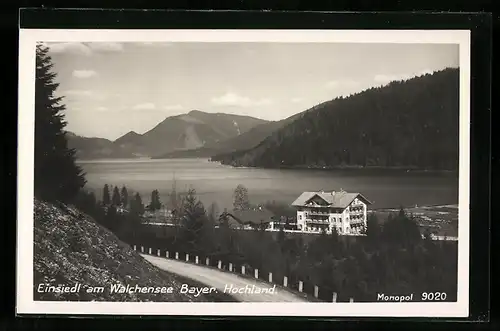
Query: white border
25	303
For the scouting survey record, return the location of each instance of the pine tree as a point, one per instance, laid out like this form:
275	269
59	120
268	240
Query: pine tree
155	203
192	220
57	177
116	200
157	200
124	197
136	205
223	219
106	199
372	228
401	229
281	237
213	213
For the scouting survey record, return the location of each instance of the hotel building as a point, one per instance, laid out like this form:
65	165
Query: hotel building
328	210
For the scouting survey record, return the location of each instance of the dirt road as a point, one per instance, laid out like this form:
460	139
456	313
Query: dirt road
243	289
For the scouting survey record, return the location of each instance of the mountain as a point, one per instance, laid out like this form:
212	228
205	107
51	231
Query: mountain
176	133
408	124
244	141
95	148
131	143
187	131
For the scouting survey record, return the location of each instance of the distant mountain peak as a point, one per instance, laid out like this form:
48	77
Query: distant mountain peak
195	111
129	135
185	131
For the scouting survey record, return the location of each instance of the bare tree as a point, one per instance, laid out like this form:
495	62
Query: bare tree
240	198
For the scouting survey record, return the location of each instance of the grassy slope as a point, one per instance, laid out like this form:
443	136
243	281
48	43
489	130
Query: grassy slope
69	248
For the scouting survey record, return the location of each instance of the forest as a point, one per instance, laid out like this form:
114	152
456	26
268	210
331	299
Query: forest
410	124
393	258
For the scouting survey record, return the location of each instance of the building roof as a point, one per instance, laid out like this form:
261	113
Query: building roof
256	216
333	199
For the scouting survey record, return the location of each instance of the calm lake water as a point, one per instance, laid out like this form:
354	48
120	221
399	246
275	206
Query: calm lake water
215	182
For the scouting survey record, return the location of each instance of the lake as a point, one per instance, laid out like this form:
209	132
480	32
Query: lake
215	182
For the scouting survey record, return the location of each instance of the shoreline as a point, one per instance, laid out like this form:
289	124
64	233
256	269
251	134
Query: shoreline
352	168
303	167
395	209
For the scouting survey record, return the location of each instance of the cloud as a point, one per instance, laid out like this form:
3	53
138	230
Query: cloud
71	48
426	72
105	47
173	107
390	78
83	94
263	102
333	84
84	73
102	108
297	100
145	106
80	48
233	99
156	44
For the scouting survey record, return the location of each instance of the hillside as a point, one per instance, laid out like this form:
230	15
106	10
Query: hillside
189	131
244	141
70	248
95	148
408	124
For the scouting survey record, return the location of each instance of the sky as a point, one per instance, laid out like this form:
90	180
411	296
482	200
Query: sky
112	88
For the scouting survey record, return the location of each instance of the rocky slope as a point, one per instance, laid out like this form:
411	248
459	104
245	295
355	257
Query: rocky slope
188	131
242	142
70	248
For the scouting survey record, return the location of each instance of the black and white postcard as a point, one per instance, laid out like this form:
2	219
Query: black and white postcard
244	172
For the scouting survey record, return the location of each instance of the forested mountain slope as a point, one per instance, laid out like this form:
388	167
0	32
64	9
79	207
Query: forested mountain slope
409	124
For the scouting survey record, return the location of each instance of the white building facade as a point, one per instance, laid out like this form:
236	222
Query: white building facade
343	211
